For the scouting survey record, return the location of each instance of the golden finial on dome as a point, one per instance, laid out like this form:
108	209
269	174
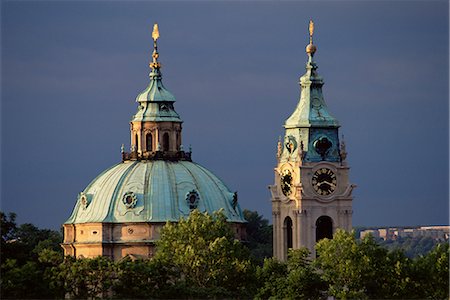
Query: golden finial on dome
311	30
311	48
155	33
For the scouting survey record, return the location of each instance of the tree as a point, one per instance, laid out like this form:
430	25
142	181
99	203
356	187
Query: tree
8	227
83	277
141	279
303	281
432	271
272	279
204	258
259	236
296	279
351	269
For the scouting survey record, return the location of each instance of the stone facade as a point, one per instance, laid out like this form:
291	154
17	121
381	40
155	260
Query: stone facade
116	241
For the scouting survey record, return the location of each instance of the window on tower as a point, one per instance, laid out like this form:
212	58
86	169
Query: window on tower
288	232
136	140
148	141
166	142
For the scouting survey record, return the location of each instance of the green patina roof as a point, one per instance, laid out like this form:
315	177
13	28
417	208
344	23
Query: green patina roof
311	109
155	91
156	102
160	188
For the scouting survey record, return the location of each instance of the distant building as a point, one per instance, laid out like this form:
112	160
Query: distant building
435	232
121	211
375	233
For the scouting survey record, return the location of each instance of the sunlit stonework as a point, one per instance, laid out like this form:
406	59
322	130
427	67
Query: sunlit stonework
311	195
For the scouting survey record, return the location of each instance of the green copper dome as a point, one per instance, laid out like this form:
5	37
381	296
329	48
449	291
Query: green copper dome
153	191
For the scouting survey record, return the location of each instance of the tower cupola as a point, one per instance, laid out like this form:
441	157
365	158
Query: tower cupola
156	127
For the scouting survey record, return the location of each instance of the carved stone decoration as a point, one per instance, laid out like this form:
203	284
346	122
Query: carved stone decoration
301	152
192	199
342	150
279	148
291	144
84	201
235	200
129	200
286	183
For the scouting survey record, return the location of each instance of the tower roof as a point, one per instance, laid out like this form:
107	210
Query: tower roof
311	109
156	102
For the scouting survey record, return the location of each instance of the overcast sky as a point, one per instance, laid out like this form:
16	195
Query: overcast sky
71	72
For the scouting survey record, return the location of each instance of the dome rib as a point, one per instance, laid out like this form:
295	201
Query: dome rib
116	197
227	201
197	187
147	192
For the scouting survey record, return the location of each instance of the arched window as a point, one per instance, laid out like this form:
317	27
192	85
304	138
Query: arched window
166	142
136	142
324	228
148	142
288	232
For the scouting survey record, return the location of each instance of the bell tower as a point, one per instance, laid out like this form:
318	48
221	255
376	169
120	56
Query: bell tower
311	195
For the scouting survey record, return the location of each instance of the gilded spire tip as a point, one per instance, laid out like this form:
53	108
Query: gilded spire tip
311	48
155	33
155	64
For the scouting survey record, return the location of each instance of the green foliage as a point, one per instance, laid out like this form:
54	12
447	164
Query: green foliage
363	269
303	280
199	257
84	278
271	277
296	279
412	246
259	236
433	271
343	266
27	255
24	242
8	227
206	259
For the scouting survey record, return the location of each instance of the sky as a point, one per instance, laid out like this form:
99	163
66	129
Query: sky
70	72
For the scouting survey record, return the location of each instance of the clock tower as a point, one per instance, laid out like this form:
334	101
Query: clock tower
312	195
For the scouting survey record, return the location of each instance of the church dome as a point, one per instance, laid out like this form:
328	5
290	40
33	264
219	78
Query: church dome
122	211
153	191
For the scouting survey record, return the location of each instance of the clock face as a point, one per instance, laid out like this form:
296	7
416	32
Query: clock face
286	183
324	181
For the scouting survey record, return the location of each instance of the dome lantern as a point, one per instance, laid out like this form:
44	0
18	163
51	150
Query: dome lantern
156	127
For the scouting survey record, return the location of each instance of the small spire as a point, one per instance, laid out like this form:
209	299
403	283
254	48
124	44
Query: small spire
155	64
311	48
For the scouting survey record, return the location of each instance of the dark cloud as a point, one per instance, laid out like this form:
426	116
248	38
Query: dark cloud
71	71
